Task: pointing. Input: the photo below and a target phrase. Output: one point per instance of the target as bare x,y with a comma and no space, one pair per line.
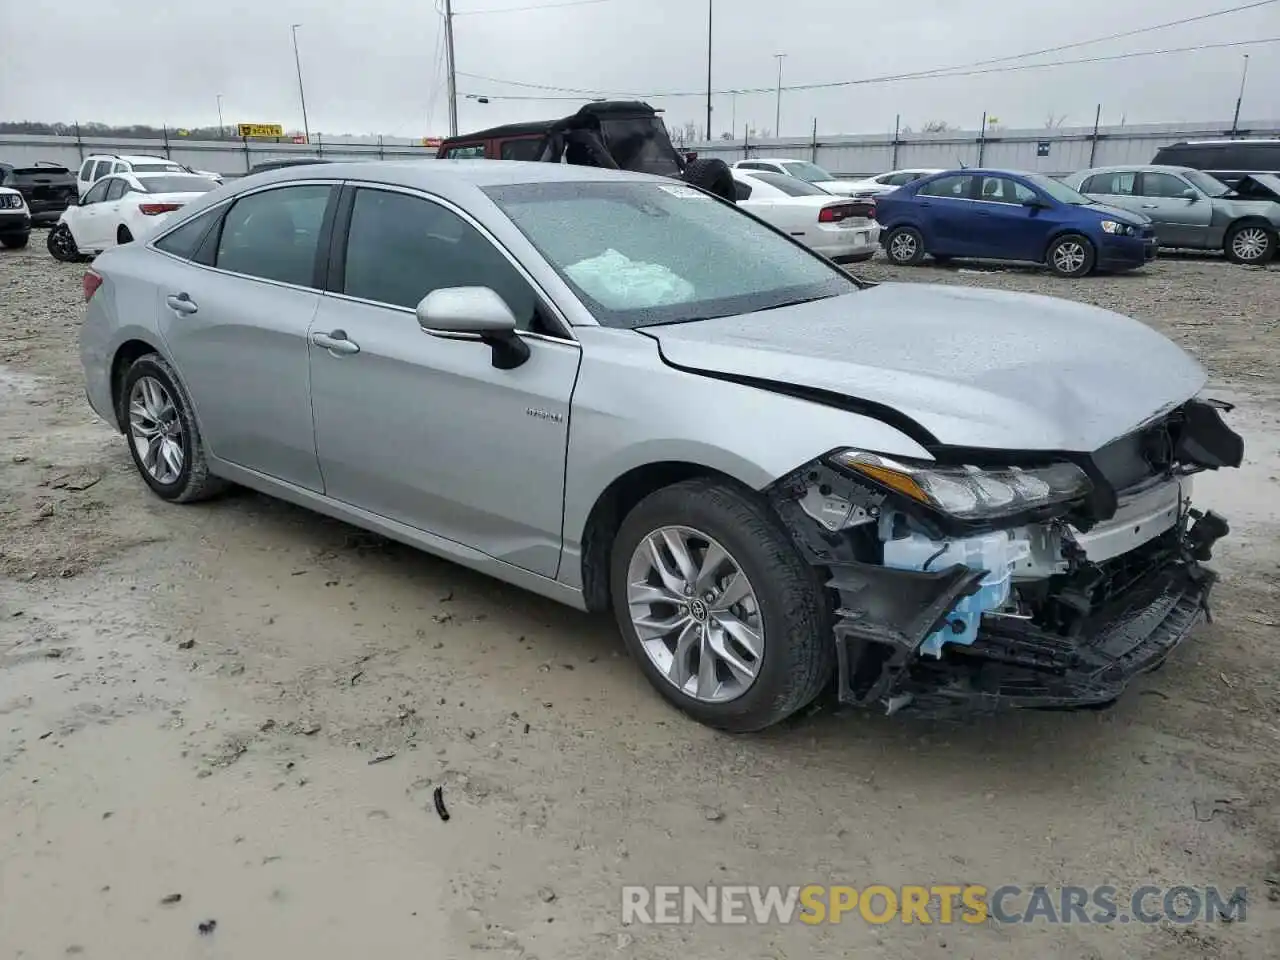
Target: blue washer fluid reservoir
997,553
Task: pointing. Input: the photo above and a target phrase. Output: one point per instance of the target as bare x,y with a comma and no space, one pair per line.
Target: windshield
639,254
807,171
177,183
1211,186
791,186
1058,190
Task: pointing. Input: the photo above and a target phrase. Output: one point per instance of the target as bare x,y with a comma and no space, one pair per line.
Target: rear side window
102,168
185,240
401,247
956,187
1112,184
275,234
464,151
526,149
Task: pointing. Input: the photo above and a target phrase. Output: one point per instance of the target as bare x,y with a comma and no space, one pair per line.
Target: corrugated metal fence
1057,151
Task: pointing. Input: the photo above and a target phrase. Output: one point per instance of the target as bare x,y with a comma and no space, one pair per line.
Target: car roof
772,160
429,173
1205,143
527,128
131,158
1138,168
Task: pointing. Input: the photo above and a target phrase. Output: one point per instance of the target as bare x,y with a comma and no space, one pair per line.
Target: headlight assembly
1119,229
971,493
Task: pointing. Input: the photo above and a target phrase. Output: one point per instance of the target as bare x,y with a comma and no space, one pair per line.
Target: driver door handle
336,342
1150,206
181,303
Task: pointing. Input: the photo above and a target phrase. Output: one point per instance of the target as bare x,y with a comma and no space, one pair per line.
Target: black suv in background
49,188
1228,160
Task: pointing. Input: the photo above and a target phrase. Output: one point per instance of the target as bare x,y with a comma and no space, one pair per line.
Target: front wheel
905,246
1250,244
714,602
1071,256
61,244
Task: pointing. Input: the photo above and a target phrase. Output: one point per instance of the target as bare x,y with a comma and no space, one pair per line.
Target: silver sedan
625,394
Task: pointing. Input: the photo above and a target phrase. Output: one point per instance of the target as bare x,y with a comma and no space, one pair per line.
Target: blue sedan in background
1006,215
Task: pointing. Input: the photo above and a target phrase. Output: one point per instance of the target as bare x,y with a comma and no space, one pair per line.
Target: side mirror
1034,203
474,313
1190,194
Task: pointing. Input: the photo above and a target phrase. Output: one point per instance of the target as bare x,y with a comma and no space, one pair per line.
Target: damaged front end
981,582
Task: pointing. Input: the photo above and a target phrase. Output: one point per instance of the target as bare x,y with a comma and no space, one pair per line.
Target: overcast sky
376,66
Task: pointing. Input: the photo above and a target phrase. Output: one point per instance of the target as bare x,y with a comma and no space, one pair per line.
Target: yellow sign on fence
248,130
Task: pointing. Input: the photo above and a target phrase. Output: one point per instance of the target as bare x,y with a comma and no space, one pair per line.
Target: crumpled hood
975,368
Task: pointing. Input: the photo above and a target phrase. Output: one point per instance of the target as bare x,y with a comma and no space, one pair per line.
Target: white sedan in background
801,170
121,208
883,183
838,228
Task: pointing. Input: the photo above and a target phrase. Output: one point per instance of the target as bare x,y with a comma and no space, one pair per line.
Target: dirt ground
250,706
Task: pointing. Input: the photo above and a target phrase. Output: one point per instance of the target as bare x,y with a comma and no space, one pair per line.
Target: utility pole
733,117
777,119
710,5
1235,121
452,68
297,61
222,130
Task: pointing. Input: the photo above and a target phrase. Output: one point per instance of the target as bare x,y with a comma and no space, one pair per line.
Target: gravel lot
251,706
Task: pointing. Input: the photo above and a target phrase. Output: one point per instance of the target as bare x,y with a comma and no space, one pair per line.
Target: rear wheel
61,244
15,241
164,439
723,615
1071,256
1250,243
904,246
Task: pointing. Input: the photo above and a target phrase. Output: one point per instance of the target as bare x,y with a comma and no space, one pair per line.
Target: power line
890,78
943,71
533,7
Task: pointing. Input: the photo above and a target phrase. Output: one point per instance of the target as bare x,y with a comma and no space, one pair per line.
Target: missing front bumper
1151,602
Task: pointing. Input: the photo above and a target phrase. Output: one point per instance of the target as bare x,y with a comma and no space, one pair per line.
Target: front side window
401,247
1005,190
101,169
470,151
645,253
1209,185
97,193
275,234
1163,185
115,188
956,187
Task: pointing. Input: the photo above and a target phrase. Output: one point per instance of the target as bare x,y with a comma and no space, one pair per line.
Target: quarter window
275,234
402,247
956,187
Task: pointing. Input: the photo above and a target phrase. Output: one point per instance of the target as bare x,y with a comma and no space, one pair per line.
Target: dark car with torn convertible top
624,394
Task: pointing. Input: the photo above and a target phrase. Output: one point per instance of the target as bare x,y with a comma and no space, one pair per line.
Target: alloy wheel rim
1250,243
62,240
904,246
696,614
156,430
1068,257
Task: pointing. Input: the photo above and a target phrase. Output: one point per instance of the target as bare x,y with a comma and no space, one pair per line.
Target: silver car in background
625,394
1191,209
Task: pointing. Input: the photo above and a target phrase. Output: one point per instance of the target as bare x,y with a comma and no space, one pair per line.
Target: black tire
860,258
941,260
908,251
123,235
799,651
194,481
1245,255
714,176
62,245
16,242
1071,255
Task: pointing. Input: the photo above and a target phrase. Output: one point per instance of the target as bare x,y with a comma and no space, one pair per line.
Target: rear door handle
336,342
1150,206
181,303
